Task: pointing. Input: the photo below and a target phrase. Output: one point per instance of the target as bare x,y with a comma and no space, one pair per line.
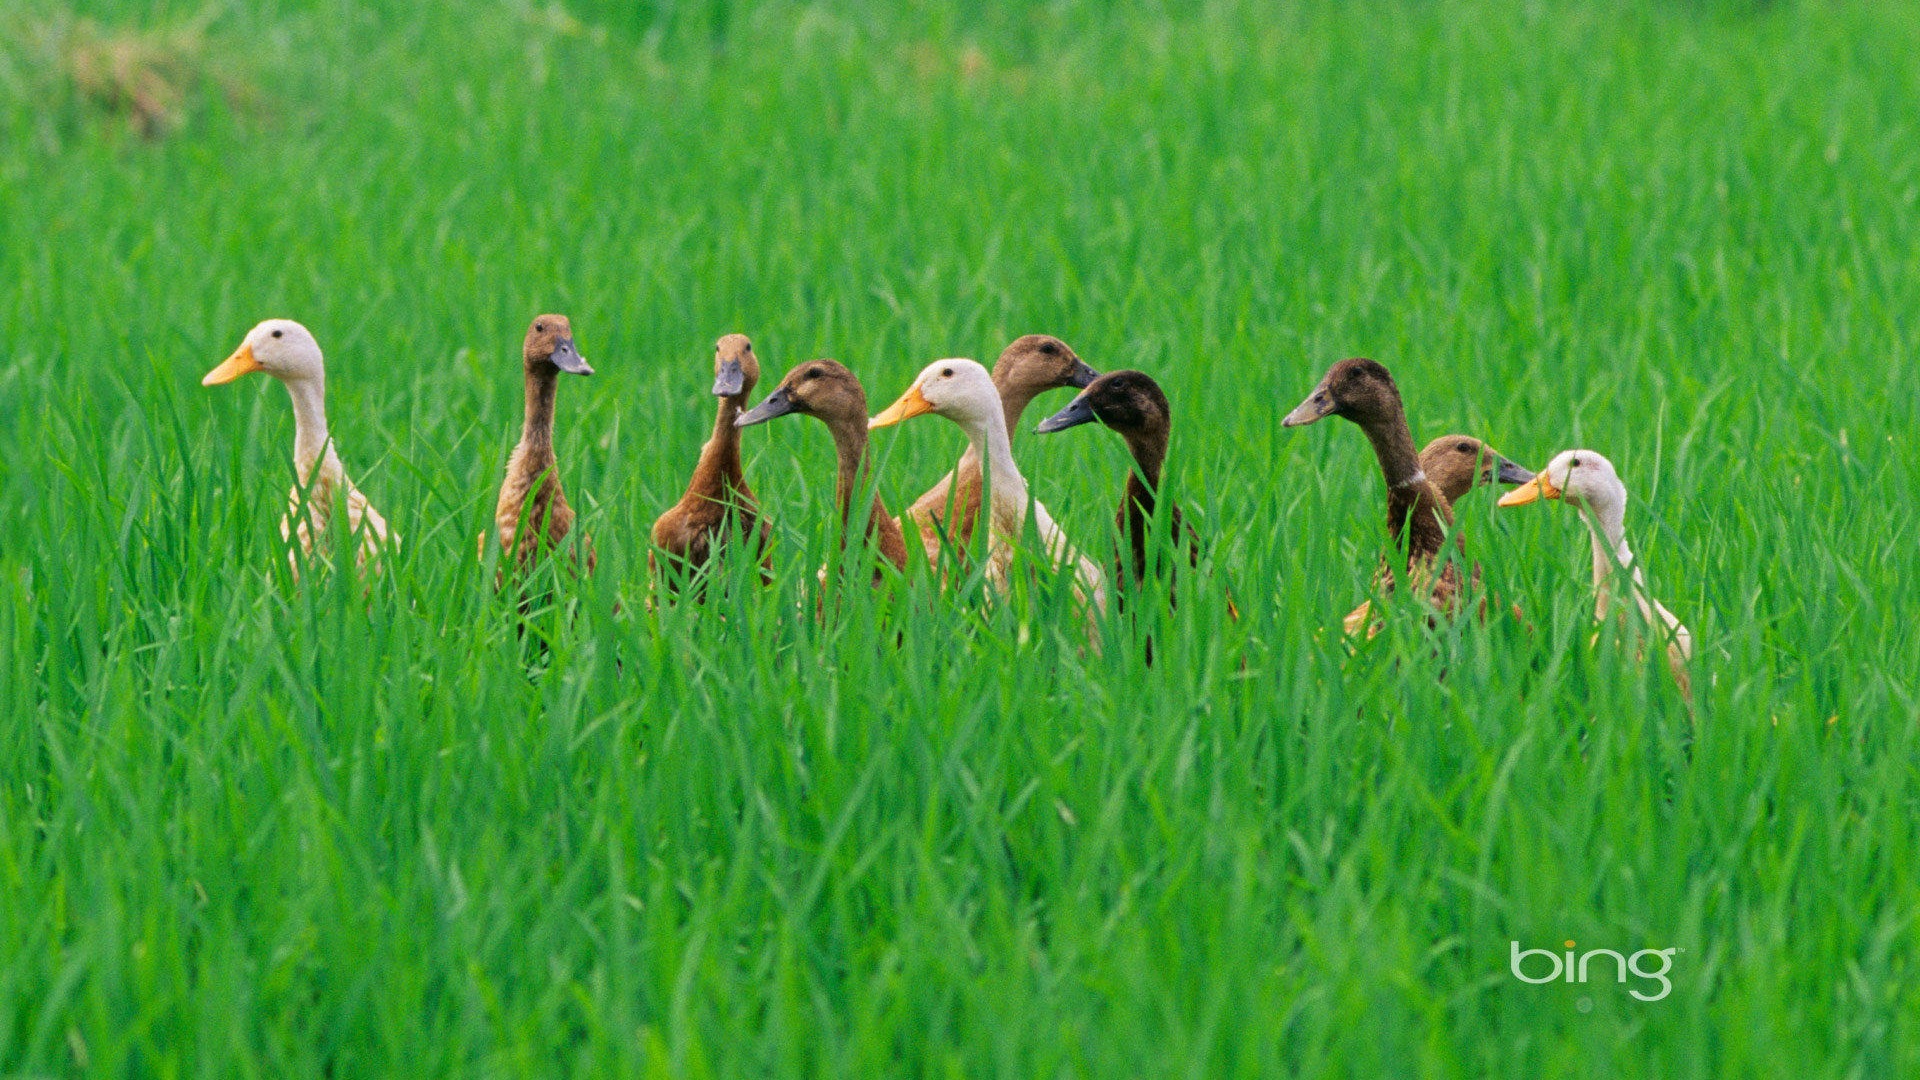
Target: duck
962,391
1363,391
1459,463
1132,404
718,504
532,512
827,390
1588,481
287,351
1027,368
1456,464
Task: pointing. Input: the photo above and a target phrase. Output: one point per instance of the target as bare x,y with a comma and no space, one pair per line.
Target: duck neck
1606,527
850,447
988,441
310,443
1416,513
720,458
1149,449
536,434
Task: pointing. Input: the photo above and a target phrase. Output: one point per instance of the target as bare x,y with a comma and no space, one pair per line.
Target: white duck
286,350
1586,480
963,392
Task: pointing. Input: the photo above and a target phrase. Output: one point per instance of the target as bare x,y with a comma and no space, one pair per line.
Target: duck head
822,388
281,348
1578,477
1458,463
1360,390
960,390
735,369
1037,363
550,344
1129,402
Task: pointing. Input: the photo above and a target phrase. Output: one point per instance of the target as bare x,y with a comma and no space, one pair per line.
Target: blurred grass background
249,829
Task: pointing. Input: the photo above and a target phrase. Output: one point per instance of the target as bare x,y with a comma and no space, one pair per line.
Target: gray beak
1081,376
776,404
1512,474
730,379
1318,406
1077,412
568,359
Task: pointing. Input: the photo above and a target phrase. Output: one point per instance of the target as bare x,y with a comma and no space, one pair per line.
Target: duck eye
1465,449
946,373
1576,463
539,328
1050,349
277,333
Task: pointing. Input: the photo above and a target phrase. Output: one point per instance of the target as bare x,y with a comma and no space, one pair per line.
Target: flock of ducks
718,517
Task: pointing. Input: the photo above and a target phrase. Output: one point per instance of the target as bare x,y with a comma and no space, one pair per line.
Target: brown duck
1418,514
532,514
1133,405
1026,369
827,390
717,501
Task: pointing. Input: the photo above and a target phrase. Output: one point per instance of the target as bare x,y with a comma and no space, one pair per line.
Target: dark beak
1077,412
568,359
1318,406
1081,376
1512,474
730,379
776,404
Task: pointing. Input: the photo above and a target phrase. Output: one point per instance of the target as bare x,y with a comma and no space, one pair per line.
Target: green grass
253,829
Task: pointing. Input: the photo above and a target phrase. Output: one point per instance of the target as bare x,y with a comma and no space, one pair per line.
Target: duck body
962,391
532,512
718,501
1589,481
1033,364
288,352
827,390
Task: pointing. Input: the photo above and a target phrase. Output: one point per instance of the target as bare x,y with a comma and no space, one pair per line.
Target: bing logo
1565,967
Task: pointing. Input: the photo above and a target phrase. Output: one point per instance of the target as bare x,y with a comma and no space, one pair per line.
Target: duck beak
1318,406
1081,376
1538,488
1509,473
776,404
730,379
240,363
1078,411
911,404
568,359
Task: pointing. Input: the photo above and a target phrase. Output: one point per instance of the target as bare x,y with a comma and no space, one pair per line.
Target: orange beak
1539,488
911,404
240,363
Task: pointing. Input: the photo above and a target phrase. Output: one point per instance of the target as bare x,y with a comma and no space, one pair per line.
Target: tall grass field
359,826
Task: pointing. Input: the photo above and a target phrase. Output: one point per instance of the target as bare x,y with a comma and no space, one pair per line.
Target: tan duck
1418,515
962,391
1584,479
1029,367
533,509
718,502
825,389
287,351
